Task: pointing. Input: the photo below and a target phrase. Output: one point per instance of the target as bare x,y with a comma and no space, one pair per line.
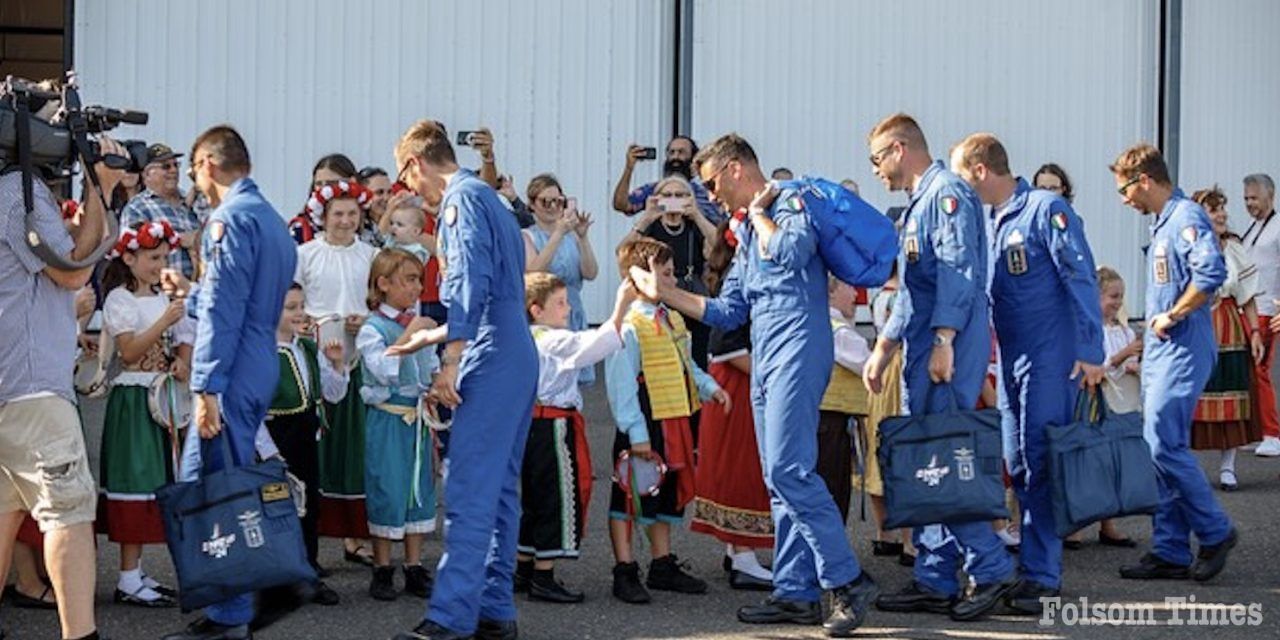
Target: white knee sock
1228,462
746,562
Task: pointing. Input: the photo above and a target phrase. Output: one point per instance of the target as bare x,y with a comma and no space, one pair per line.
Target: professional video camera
45,128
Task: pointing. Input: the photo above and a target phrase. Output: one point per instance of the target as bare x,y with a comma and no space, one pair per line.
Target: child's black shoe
666,574
626,584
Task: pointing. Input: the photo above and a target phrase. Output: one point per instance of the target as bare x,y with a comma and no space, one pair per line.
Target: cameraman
42,451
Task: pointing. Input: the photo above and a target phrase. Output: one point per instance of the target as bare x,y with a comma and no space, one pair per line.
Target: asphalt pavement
1250,580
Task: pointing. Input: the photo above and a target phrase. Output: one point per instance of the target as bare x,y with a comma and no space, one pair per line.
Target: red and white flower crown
145,235
330,192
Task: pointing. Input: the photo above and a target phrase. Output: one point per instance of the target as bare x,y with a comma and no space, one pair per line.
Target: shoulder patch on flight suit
795,203
216,230
1059,221
451,214
1189,234
949,204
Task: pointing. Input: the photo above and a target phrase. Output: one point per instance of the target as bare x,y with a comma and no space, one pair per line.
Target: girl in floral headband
152,335
333,269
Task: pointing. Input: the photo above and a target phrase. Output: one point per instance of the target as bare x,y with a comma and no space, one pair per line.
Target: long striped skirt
1224,418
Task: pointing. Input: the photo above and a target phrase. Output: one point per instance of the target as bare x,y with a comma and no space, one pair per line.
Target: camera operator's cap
160,152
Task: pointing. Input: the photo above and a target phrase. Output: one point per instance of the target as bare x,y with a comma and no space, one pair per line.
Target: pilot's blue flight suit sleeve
231,253
954,236
1073,260
470,269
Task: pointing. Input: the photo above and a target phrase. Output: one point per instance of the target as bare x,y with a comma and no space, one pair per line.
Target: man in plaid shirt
161,200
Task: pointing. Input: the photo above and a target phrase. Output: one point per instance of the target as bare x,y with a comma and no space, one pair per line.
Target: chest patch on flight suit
949,204
910,243
1160,265
451,214
1189,234
217,230
1015,253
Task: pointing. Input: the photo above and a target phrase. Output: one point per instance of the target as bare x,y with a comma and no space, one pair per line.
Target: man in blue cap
941,317
249,260
488,374
1184,269
1044,301
780,279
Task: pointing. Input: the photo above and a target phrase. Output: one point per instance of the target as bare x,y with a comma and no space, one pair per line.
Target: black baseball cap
160,152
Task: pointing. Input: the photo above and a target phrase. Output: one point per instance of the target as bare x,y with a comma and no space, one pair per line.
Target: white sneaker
1270,448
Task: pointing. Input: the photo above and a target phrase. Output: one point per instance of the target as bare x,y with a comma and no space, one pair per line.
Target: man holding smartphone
679,161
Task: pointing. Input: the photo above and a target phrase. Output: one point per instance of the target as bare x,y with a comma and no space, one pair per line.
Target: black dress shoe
906,559
626,584
775,611
746,582
325,596
546,588
1072,545
1153,567
885,548
417,581
497,630
1026,598
428,630
983,599
913,598
1108,541
1212,559
161,601
206,629
382,586
524,573
24,601
668,574
849,605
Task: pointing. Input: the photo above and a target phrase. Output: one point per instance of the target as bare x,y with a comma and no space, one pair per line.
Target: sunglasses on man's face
710,183
1123,189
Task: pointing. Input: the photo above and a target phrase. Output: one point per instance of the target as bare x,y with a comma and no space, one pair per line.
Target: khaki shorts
43,465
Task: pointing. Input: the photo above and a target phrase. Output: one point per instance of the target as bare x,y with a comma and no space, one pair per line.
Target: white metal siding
1230,97
564,84
1068,82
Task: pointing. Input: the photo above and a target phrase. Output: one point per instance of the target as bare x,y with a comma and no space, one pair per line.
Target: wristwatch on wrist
940,340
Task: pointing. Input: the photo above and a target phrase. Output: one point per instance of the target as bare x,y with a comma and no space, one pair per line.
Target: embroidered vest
666,365
291,397
414,368
845,393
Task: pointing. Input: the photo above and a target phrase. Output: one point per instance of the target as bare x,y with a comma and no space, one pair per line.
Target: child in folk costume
410,228
732,503
333,270
886,404
1225,417
654,389
152,337
844,404
556,475
296,417
400,491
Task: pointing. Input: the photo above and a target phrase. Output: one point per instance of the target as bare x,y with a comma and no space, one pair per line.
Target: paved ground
1250,578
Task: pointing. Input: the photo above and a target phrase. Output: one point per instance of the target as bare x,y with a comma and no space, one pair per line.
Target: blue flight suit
1044,297
483,289
249,260
943,265
1184,251
783,287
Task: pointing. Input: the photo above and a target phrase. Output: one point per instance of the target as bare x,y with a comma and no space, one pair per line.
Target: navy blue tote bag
233,531
1100,468
943,467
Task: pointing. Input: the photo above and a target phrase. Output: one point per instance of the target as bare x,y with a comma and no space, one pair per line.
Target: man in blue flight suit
1184,269
779,278
943,266
249,261
1044,301
488,374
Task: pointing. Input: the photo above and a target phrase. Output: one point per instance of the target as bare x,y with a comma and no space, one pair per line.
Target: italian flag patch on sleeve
795,203
950,204
1059,220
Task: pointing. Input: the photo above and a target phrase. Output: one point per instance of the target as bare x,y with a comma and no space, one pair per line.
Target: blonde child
152,335
399,490
844,404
